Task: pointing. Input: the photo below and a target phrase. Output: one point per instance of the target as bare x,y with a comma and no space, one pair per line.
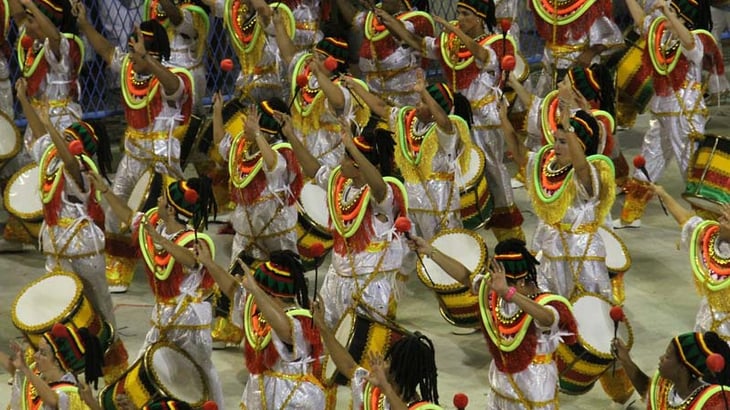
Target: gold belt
386,74
560,49
134,134
581,229
542,359
488,98
441,176
311,25
50,103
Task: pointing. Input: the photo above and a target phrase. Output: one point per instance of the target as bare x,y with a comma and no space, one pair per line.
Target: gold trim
148,364
18,143
589,348
481,265
624,249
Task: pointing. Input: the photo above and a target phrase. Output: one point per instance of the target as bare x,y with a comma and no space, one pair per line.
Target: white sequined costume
68,394
186,50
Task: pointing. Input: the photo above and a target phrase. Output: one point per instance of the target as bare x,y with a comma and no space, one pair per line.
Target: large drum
580,365
475,200
22,198
142,198
634,86
9,139
707,183
618,261
56,298
312,224
361,336
234,117
164,370
457,304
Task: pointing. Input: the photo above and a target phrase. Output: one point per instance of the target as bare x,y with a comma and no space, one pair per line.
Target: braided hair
514,245
293,264
159,43
412,365
383,145
104,156
93,358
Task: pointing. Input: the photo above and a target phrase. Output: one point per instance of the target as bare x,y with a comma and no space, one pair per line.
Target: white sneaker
515,183
10,247
118,289
619,224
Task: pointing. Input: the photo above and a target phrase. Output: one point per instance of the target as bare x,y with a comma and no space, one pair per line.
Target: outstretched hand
378,375
498,278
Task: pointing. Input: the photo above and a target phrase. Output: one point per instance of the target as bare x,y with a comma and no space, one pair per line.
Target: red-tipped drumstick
640,164
617,315
461,400
716,364
507,64
403,225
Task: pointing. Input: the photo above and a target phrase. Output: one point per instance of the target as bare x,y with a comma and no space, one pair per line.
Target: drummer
522,373
708,243
363,206
51,381
266,180
684,379
474,74
677,45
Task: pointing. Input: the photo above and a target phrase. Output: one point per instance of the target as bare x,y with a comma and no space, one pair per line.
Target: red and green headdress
192,198
76,350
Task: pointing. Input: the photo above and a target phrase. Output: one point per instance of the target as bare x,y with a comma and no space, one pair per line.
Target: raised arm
226,283
118,206
498,283
181,254
332,91
676,26
34,122
453,267
377,106
636,11
379,377
378,187
518,149
46,393
479,52
680,213
397,28
70,163
307,161
252,129
440,116
275,315
264,12
49,30
285,43
522,93
170,82
348,10
339,354
101,45
638,378
219,129
172,11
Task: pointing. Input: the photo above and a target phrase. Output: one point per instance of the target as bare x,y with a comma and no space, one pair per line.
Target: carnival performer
157,107
364,202
684,379
71,236
577,33
708,243
470,65
571,189
523,325
187,25
166,235
388,67
432,145
51,381
282,347
318,94
266,181
405,376
677,43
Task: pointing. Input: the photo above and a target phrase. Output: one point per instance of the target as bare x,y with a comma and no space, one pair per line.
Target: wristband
510,294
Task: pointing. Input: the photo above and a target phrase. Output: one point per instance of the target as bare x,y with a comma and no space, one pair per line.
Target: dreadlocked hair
104,156
93,358
717,345
66,22
514,245
291,262
491,18
608,92
413,364
383,153
206,204
462,108
160,43
277,104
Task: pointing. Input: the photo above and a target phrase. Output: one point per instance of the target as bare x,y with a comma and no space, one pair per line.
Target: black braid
382,140
160,43
291,262
104,156
462,108
515,245
717,345
206,204
93,358
413,364
607,93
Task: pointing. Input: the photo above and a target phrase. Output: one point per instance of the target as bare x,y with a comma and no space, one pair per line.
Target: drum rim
452,322
481,266
330,378
18,139
480,174
62,317
624,249
590,348
324,230
31,217
151,173
698,195
148,362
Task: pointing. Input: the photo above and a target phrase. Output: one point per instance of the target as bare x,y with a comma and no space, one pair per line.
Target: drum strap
443,215
260,234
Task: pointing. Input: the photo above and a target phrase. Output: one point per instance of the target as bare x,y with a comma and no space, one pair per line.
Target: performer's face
562,155
669,364
468,21
44,357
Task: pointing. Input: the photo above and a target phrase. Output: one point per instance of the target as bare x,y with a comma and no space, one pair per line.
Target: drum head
595,327
465,246
313,203
139,194
176,374
521,68
9,137
343,334
46,301
23,194
469,178
698,201
617,256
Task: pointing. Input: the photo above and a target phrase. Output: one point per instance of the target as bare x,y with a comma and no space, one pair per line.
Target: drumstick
403,224
617,315
317,250
640,164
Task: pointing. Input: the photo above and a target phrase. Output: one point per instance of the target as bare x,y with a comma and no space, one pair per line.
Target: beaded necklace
552,179
685,403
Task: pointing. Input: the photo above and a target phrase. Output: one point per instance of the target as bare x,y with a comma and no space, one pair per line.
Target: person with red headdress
282,347
364,202
166,236
51,381
71,235
467,52
388,67
266,181
157,103
523,325
692,373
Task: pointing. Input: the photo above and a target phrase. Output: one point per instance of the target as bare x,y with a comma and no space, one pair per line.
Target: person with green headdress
432,141
166,236
266,181
692,374
51,381
571,188
282,347
679,48
523,325
71,235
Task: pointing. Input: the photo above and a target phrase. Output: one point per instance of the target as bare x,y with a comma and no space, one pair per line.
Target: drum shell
310,232
476,203
634,88
707,183
141,384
